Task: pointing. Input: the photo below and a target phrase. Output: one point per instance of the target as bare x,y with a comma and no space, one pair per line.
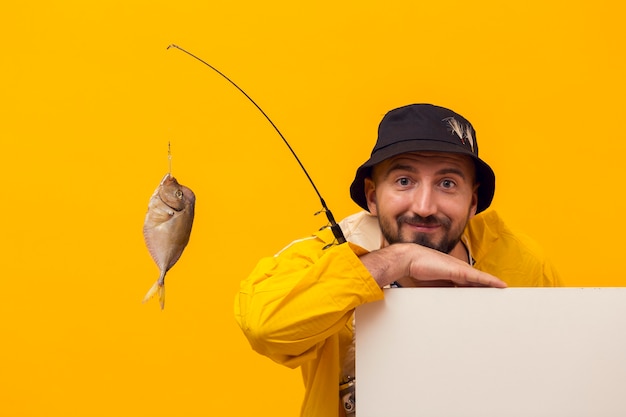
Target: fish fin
152,291
162,296
159,289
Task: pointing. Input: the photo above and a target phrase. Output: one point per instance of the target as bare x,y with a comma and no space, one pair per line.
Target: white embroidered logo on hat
463,131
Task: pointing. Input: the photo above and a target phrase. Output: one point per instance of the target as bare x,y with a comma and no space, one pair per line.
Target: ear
474,204
370,196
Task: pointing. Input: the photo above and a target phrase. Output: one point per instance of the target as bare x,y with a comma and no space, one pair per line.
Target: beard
449,240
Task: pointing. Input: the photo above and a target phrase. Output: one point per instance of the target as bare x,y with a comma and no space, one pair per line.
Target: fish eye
178,194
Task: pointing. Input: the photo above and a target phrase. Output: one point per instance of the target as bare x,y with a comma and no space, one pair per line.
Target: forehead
432,160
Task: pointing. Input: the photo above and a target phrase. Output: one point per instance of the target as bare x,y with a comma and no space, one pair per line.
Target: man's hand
413,265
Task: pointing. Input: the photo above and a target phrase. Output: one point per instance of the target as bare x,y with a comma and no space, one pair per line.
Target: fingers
483,279
435,284
464,278
464,275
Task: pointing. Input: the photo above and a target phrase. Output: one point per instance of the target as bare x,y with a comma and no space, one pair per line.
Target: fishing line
169,156
339,237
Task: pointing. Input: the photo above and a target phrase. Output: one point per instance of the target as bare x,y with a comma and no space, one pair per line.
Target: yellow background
91,97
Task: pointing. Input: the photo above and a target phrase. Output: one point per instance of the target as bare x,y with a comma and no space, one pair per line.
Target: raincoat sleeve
292,302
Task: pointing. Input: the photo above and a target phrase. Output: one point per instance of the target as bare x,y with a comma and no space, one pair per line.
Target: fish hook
335,228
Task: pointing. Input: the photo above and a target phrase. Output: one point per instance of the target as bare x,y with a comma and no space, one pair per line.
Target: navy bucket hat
425,127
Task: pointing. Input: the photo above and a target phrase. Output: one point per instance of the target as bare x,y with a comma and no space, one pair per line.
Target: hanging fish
167,228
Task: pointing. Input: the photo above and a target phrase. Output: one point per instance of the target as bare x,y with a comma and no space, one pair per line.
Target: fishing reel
334,227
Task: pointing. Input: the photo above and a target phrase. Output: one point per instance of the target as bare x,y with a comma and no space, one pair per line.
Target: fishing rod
334,227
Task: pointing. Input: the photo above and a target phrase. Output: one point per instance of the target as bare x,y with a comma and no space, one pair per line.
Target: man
422,188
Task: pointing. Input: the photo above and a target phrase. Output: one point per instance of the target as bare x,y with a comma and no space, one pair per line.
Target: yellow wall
90,97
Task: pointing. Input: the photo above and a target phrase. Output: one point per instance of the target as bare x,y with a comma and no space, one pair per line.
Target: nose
424,203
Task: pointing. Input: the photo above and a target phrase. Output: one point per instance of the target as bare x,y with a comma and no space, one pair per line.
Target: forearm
294,301
387,265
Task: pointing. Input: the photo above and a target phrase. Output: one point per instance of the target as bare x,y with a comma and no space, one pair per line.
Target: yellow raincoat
296,307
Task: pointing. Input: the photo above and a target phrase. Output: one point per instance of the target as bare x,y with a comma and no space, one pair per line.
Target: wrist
387,265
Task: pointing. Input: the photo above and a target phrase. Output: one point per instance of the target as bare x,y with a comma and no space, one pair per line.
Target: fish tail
157,288
162,296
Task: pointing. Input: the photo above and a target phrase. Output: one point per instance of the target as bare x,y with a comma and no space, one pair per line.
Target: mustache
426,221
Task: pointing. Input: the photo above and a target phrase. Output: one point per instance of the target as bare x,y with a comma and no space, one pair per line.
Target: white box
461,352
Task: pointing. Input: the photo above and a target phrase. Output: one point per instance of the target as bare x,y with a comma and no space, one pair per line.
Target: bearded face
423,198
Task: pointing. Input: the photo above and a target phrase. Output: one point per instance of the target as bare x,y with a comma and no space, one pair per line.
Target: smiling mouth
423,227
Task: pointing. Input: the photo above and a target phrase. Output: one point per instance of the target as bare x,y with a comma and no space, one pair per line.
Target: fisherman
424,191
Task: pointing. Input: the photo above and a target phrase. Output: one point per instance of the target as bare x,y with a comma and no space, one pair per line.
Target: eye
178,194
448,184
403,182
